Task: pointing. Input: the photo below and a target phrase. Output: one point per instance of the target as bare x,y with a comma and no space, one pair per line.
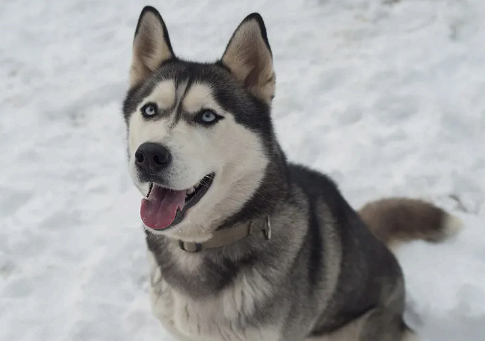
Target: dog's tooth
150,188
191,190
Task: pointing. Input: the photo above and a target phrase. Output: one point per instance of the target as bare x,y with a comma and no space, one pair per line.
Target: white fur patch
200,96
212,319
163,94
452,226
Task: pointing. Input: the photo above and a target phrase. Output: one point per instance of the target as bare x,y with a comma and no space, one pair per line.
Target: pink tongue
159,210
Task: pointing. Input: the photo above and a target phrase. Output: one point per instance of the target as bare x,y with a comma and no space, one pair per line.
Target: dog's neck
227,237
205,273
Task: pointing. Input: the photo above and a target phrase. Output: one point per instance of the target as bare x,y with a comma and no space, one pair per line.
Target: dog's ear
151,46
248,57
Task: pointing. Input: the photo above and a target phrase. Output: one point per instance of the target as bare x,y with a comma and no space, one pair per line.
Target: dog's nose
152,157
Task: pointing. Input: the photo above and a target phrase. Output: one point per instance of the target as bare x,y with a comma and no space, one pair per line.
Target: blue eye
149,110
208,117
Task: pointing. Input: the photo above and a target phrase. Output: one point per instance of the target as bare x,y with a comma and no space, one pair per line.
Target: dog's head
198,133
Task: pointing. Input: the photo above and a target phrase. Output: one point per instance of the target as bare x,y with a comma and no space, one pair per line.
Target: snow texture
388,97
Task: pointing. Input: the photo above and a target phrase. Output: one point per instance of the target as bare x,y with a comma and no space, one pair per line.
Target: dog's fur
323,275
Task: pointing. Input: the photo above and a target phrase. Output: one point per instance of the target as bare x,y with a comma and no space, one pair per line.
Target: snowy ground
386,96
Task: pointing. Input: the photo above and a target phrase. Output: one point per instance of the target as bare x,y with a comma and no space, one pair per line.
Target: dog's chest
225,317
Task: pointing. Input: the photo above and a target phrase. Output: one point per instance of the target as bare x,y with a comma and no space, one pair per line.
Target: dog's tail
398,220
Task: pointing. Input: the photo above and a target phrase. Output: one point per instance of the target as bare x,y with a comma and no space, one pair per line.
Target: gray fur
322,276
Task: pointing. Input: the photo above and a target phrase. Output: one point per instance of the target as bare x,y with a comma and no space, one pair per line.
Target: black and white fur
323,275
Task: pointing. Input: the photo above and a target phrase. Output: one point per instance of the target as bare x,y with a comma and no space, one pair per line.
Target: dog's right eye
149,110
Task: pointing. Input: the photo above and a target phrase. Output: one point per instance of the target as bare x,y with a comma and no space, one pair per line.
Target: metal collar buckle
194,247
266,229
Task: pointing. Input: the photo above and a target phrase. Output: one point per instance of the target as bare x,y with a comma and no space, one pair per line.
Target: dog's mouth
164,207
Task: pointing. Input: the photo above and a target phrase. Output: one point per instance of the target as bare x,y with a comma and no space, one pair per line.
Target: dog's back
363,272
369,278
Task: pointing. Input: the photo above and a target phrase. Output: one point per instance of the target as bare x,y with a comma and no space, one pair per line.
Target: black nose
152,157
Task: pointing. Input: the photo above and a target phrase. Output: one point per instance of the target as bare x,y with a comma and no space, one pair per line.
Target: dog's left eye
207,117
149,110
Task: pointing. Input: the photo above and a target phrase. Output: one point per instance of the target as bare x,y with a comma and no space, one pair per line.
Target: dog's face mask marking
195,143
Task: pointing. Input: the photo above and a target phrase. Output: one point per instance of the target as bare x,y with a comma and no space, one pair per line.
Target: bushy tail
398,220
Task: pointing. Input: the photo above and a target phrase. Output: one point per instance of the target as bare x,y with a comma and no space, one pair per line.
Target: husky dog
244,245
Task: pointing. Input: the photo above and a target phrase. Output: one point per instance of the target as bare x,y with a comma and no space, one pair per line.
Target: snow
385,96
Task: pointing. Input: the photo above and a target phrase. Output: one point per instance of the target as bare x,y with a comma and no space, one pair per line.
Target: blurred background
387,97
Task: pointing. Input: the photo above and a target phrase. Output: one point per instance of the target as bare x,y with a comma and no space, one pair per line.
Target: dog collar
227,237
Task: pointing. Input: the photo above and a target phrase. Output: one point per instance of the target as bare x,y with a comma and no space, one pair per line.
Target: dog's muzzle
151,159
